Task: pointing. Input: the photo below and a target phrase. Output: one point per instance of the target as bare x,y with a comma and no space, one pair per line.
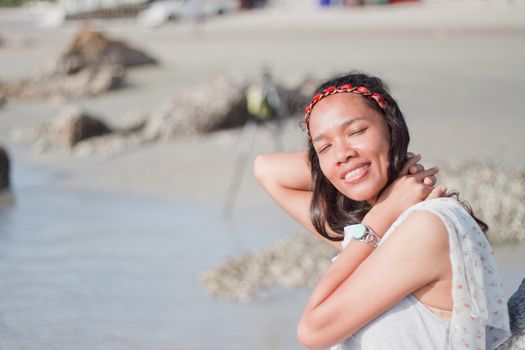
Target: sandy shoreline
456,69
466,67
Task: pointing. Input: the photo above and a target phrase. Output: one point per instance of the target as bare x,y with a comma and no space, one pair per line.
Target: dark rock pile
67,130
90,49
215,104
218,103
91,65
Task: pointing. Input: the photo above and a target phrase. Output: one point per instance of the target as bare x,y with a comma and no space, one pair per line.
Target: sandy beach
456,67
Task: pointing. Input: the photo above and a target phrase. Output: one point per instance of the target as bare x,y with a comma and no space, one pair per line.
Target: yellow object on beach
256,102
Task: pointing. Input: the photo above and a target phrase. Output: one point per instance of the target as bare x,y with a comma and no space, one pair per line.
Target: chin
360,196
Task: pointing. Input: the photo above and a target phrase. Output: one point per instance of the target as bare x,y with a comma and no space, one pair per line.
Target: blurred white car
161,11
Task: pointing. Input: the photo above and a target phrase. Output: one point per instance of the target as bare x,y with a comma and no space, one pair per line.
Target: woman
415,270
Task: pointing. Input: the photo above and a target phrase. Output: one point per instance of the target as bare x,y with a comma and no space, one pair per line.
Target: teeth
355,172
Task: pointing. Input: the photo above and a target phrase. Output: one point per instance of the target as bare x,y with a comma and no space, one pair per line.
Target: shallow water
90,270
107,271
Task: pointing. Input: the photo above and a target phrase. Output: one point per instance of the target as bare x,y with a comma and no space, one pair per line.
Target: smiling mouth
356,173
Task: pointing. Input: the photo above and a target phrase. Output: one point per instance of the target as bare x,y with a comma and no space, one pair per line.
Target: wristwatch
363,233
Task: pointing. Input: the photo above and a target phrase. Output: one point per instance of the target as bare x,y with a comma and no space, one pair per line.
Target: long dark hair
329,207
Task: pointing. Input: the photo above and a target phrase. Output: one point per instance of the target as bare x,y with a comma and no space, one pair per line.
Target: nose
344,152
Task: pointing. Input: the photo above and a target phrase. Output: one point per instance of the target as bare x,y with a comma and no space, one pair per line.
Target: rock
88,82
73,126
215,104
4,169
91,81
91,65
106,78
90,48
516,305
84,127
65,131
83,134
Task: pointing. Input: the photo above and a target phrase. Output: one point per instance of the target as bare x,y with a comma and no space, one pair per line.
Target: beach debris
516,305
91,65
4,169
295,261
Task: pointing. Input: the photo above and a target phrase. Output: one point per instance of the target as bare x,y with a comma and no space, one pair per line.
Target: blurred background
129,216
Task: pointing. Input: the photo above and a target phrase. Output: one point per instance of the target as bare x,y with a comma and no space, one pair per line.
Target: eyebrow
342,126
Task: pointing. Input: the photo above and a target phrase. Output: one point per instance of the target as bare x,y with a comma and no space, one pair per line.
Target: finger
414,169
410,155
430,180
410,162
437,192
429,172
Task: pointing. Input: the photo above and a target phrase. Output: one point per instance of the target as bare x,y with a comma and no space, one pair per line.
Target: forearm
379,219
290,170
345,264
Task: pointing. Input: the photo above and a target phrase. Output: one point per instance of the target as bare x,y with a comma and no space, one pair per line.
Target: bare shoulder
423,232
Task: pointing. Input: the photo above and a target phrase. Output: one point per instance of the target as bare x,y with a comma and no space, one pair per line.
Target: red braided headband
335,90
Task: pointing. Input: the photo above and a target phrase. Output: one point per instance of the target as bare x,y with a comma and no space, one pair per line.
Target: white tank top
407,325
479,316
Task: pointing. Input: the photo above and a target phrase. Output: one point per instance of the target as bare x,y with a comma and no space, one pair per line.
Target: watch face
357,231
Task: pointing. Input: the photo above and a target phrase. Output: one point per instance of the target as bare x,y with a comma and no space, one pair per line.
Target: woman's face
352,143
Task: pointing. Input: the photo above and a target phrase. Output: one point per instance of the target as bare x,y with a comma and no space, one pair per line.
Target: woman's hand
437,191
414,184
416,168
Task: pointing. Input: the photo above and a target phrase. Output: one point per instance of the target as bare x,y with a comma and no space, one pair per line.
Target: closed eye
324,148
357,132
